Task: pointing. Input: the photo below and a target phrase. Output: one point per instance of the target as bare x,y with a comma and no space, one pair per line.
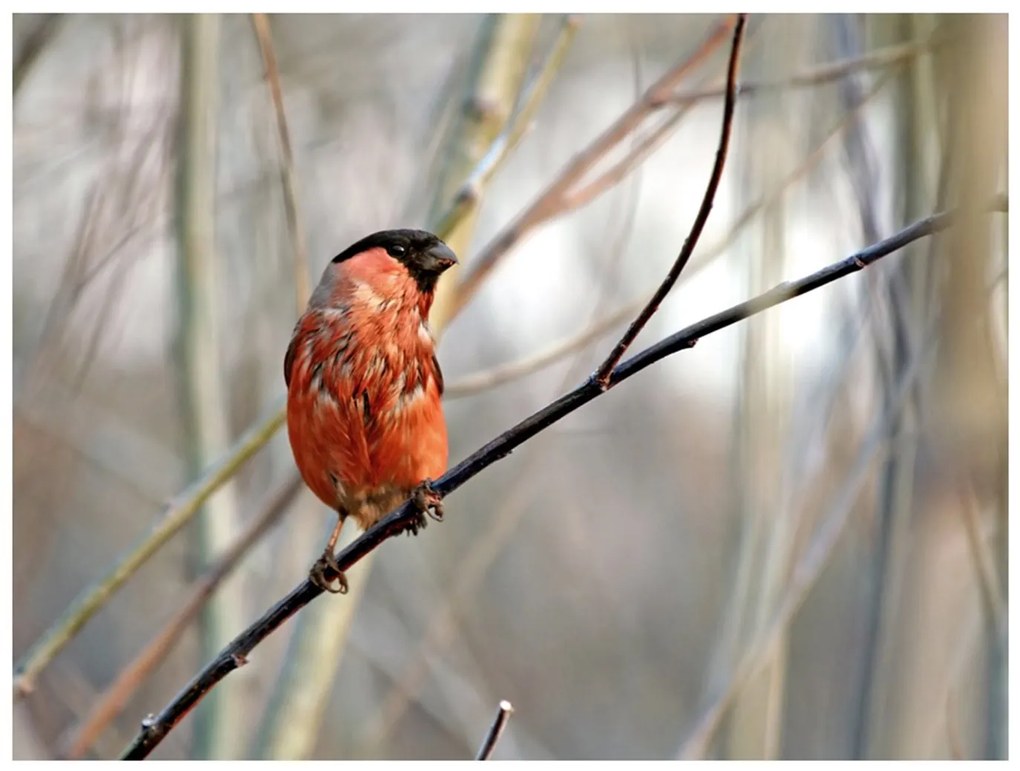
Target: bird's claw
317,575
427,502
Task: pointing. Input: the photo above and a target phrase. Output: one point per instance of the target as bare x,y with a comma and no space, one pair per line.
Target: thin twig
287,175
505,373
495,730
179,511
156,727
552,201
989,581
110,703
605,370
825,73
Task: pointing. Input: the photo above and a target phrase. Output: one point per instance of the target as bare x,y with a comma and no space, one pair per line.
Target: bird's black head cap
423,254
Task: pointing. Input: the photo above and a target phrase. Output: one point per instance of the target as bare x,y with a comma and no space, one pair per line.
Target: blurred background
788,542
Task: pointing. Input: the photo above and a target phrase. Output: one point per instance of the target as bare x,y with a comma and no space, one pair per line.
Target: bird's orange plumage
364,414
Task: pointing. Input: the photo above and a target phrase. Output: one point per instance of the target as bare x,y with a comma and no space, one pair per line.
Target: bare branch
984,561
110,703
287,175
156,727
604,371
495,730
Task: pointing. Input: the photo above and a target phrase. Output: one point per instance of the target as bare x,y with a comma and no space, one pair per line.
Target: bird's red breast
364,414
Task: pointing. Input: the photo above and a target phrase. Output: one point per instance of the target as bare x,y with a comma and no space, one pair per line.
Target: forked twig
156,727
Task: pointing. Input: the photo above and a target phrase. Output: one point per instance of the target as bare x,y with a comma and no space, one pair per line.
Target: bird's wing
288,360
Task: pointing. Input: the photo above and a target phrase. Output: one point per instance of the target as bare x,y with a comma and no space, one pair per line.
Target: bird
364,411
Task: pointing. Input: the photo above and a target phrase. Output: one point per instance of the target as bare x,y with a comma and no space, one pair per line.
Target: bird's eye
397,250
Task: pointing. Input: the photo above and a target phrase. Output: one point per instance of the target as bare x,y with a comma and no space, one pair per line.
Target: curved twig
604,371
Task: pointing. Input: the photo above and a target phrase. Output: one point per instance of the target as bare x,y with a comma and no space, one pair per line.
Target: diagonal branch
287,175
178,512
470,191
156,727
604,371
110,702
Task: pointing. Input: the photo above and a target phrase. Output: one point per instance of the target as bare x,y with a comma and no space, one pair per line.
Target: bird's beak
439,258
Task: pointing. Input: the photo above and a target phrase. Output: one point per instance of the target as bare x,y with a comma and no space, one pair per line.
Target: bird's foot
426,501
317,575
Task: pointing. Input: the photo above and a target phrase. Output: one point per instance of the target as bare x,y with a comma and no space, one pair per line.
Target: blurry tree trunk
200,371
753,729
969,387
498,69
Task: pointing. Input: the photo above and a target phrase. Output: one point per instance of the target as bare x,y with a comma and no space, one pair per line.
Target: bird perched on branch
363,384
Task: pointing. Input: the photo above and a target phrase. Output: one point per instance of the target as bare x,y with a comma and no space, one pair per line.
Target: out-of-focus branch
156,727
499,64
110,703
505,373
554,199
825,73
287,176
805,574
28,52
178,512
495,730
201,387
469,194
989,580
604,371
